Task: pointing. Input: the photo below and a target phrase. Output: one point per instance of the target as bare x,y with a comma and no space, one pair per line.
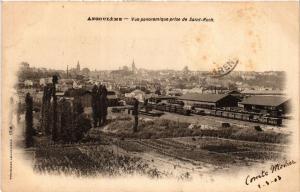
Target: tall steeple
78,66
132,65
133,68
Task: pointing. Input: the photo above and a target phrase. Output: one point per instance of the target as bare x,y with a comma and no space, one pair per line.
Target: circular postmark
225,69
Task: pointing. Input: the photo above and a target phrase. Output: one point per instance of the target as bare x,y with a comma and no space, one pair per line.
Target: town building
209,100
28,83
85,96
65,84
138,94
262,92
273,105
112,98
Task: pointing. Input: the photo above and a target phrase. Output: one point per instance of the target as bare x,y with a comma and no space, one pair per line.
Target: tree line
61,120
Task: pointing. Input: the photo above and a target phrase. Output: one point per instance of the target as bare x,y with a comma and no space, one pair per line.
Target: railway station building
209,100
274,105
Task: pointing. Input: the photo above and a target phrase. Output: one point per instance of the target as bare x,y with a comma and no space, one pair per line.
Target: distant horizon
129,66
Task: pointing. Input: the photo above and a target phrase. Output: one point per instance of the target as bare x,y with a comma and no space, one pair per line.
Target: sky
263,36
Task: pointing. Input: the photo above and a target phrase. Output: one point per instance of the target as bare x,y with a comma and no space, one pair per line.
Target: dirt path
164,162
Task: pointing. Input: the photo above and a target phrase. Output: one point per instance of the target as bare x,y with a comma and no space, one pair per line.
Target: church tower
78,67
133,68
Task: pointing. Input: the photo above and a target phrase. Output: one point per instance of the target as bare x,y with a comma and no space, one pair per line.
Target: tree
103,105
29,121
66,120
85,71
157,91
82,123
135,114
78,106
203,82
186,70
180,86
94,105
232,86
54,125
125,68
193,78
45,120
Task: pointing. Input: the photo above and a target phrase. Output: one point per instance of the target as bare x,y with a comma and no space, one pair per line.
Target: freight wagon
246,116
172,108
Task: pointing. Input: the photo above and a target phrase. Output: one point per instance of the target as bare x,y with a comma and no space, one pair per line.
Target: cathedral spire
133,68
78,66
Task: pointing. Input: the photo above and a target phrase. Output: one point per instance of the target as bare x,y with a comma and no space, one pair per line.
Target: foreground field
161,148
91,160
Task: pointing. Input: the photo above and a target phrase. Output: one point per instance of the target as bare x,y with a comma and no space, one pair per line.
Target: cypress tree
54,125
45,120
95,105
29,121
78,113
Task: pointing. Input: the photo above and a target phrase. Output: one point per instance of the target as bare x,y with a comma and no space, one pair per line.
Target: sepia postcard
150,96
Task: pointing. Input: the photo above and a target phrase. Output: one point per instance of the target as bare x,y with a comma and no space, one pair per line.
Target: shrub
257,128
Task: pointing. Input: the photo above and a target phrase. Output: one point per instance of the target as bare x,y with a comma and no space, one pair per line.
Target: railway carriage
231,115
239,116
225,114
274,121
246,117
219,113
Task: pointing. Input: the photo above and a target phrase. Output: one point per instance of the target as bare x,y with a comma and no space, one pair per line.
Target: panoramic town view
156,123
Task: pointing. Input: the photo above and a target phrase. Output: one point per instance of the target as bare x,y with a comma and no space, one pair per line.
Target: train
174,106
246,116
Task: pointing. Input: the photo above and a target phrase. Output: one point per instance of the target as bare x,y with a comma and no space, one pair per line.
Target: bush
225,125
257,128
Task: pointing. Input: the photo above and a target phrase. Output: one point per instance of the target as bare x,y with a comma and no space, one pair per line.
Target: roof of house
76,92
233,92
162,97
60,94
264,100
137,91
165,97
263,92
111,93
112,97
67,81
203,97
